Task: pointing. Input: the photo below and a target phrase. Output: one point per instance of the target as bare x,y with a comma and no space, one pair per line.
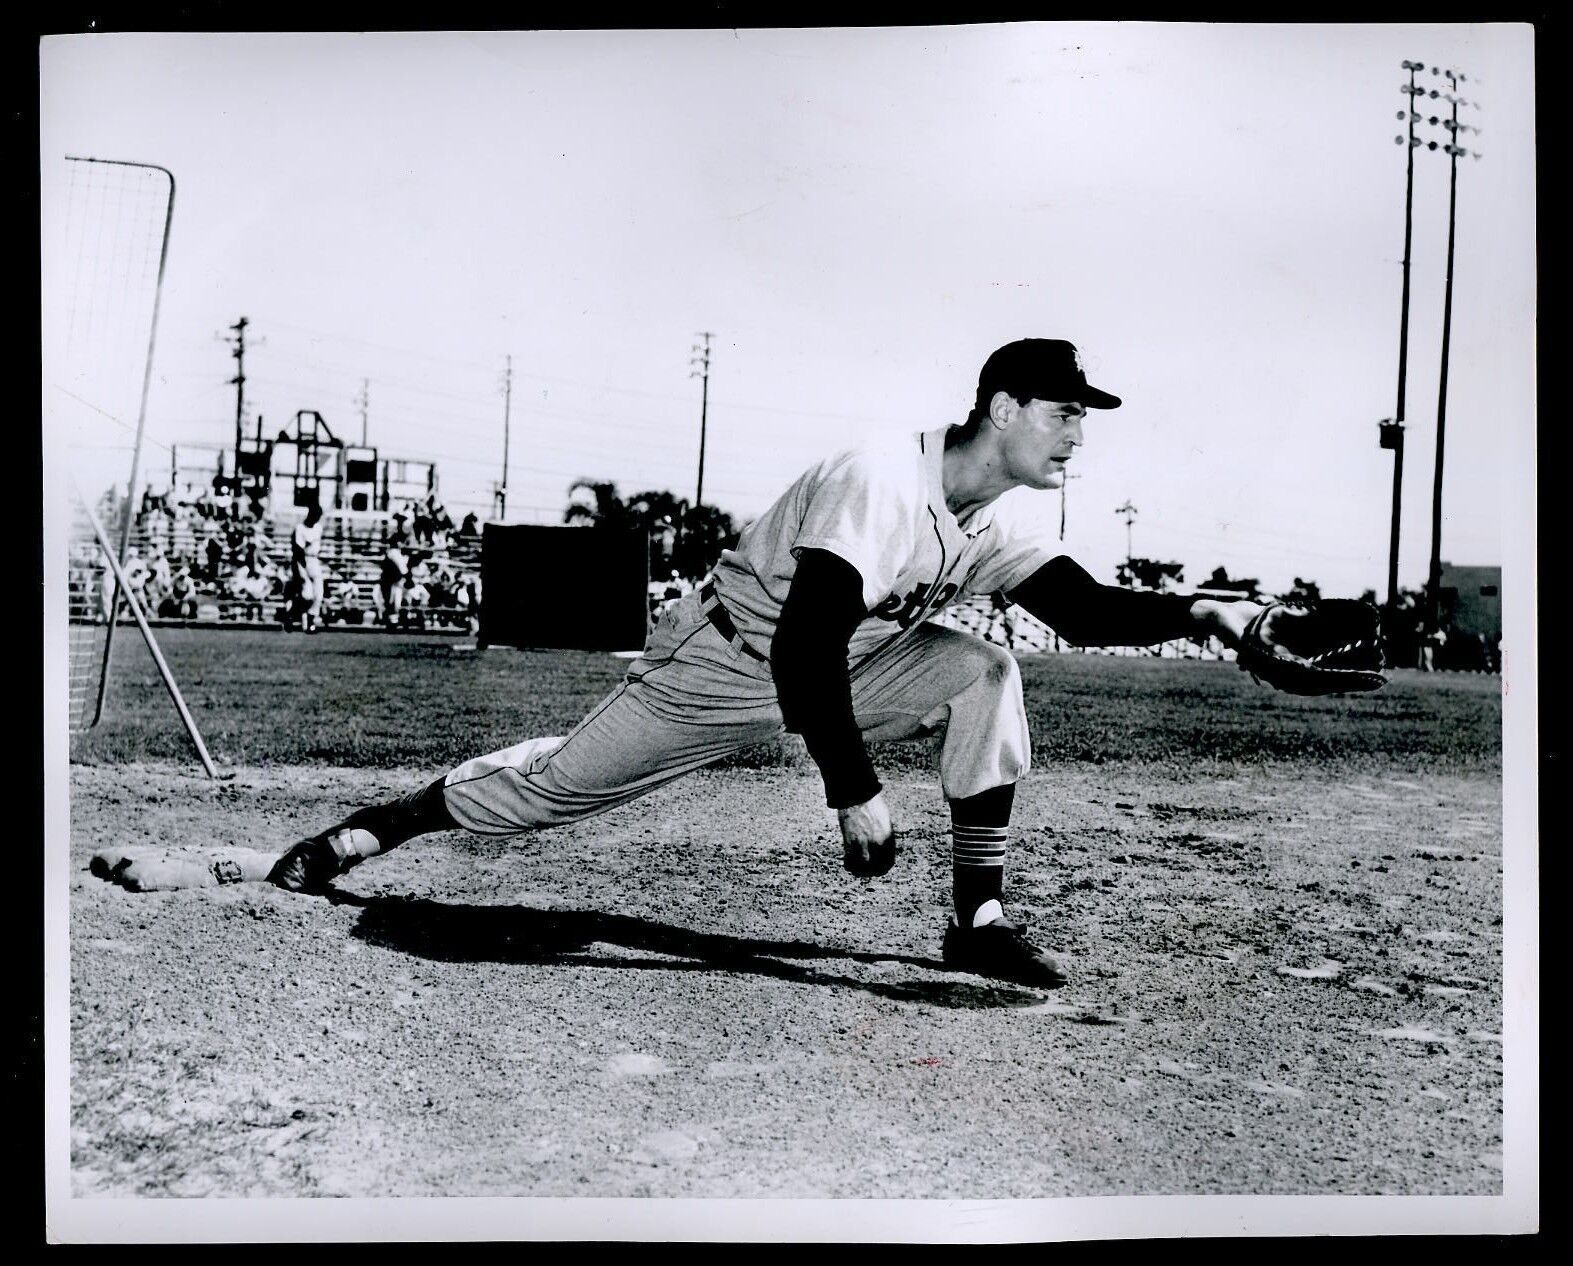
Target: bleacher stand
409,569
1022,632
214,559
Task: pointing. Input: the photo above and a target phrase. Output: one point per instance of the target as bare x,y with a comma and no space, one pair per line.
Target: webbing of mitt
1333,646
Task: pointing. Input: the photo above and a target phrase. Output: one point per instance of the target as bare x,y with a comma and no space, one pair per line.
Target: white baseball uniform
695,695
306,565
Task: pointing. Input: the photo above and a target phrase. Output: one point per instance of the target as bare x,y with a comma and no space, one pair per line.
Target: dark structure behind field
564,587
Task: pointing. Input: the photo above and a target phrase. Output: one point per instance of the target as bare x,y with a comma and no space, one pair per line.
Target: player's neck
973,475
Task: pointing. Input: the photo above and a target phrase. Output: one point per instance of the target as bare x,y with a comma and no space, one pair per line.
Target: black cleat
313,864
1002,951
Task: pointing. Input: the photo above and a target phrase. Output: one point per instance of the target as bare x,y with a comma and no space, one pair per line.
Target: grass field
1282,918
411,702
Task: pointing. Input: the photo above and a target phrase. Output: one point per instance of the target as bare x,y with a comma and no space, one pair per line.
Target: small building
1470,601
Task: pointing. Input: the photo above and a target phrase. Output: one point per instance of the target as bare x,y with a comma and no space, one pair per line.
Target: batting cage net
89,591
107,235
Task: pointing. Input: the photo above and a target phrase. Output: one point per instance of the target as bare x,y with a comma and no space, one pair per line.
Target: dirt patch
1283,981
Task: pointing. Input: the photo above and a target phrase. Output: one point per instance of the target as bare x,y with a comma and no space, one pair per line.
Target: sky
1213,213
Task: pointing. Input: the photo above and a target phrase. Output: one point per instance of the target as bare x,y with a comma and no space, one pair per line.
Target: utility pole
1068,478
700,368
1392,429
507,412
239,383
1129,511
364,401
1454,152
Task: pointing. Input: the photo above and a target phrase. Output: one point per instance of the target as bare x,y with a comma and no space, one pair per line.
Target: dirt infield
1286,973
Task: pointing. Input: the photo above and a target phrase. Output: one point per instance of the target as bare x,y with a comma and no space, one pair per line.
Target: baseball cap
1040,369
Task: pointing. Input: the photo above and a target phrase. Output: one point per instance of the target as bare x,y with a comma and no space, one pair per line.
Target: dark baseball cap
1040,369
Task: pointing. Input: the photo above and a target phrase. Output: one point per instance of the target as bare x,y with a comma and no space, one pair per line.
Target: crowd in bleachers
212,557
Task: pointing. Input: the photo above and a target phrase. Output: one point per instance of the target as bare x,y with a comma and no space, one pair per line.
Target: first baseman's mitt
1321,648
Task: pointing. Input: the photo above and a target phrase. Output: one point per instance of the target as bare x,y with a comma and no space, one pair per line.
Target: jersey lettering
905,611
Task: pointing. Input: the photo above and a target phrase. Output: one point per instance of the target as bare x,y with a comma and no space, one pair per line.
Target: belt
722,622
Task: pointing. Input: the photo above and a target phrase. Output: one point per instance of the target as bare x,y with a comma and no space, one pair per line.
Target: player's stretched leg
690,699
968,692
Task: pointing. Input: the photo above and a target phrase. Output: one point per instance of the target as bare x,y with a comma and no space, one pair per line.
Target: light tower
1449,145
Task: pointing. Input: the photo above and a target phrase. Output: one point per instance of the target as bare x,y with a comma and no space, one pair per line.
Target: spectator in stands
420,570
249,588
212,550
235,535
442,585
423,522
153,518
442,528
257,544
470,591
390,583
342,602
136,573
471,525
417,598
180,603
441,522
158,577
417,589
207,504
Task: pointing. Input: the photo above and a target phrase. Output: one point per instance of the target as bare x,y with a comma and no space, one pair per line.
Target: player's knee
997,668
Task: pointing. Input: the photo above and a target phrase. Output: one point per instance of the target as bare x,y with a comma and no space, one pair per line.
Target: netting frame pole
136,451
147,636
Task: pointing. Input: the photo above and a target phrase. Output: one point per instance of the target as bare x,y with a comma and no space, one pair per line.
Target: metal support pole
147,636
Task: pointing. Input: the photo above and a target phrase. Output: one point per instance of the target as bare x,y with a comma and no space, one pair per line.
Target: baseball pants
307,578
693,697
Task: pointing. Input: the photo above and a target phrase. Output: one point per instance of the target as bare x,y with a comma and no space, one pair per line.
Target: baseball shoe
313,864
1001,950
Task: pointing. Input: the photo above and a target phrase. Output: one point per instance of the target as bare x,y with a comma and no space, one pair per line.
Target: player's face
1042,437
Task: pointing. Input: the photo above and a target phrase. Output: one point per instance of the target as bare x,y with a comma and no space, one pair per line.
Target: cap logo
1076,356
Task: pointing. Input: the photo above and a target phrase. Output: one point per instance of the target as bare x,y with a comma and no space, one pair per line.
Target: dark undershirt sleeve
1066,598
808,657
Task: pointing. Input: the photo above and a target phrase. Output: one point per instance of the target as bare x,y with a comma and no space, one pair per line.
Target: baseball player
818,623
391,579
305,546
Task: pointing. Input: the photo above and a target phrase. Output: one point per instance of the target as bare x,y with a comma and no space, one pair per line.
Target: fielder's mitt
1322,648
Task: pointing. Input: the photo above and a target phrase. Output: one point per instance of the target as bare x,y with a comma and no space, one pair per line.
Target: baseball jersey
306,542
882,509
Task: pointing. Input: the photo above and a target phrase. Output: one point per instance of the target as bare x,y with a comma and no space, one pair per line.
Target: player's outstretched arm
1064,596
808,658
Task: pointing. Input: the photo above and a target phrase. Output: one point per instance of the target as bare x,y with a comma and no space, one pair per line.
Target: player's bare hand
1226,621
867,838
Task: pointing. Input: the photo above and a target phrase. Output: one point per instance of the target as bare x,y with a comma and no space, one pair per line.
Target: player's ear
1002,410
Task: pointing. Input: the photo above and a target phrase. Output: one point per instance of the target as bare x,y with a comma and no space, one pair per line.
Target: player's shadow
519,934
